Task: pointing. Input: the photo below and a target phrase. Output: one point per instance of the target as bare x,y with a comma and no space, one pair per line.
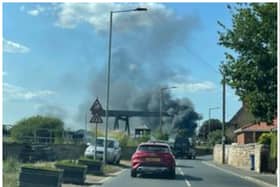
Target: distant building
251,132
142,131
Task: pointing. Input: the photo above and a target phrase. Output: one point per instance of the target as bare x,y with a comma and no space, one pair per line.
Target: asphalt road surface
189,173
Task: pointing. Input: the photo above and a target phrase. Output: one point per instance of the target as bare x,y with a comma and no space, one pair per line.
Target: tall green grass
11,168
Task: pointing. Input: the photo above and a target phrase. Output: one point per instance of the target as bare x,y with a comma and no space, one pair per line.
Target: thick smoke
181,111
143,49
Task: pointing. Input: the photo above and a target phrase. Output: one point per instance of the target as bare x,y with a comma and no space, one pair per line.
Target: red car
151,158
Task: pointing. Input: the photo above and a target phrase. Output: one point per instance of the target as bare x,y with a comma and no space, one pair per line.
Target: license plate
152,159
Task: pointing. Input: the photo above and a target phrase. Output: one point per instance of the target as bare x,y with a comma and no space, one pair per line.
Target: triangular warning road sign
96,108
96,119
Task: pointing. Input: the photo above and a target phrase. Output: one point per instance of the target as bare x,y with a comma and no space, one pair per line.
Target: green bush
273,146
265,138
90,160
70,163
215,137
122,137
38,126
132,142
11,165
126,141
11,168
142,139
161,136
100,133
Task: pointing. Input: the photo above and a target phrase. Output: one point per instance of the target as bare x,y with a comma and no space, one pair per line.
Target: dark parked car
151,158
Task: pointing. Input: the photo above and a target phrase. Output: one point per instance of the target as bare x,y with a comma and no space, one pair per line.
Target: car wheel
133,173
118,161
172,174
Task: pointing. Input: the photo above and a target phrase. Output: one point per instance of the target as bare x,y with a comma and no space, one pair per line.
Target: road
189,173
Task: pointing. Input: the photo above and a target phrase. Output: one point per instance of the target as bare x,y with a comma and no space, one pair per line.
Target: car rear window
154,148
100,143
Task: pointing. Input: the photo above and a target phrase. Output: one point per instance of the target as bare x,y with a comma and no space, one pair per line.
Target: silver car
113,150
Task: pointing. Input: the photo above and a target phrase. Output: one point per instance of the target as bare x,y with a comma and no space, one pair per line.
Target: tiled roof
242,117
258,127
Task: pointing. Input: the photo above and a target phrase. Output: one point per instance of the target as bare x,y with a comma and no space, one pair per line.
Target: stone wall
68,151
239,155
62,151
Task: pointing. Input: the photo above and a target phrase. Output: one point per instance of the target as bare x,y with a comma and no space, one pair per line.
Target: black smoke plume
143,61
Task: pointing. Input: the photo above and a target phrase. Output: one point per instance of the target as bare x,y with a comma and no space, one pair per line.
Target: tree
161,135
251,69
37,126
204,130
215,137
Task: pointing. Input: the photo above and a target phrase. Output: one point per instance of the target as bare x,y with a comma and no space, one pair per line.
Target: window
154,148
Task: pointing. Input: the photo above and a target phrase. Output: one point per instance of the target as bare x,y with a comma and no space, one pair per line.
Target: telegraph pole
224,117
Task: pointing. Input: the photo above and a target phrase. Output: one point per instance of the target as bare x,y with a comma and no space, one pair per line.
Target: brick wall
239,155
241,138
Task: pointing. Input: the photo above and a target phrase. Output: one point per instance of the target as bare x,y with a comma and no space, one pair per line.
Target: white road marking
186,180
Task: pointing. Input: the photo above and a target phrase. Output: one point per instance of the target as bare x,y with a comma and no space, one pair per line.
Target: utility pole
209,121
160,111
109,76
224,117
86,121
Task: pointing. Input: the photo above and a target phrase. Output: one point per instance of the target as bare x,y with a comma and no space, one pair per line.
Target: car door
117,149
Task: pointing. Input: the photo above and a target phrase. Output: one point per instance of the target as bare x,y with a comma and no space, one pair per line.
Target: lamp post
108,75
160,105
209,123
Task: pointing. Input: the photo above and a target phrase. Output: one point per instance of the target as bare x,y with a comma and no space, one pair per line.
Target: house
252,131
241,118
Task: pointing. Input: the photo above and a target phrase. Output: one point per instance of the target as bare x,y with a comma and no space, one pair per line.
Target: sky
55,57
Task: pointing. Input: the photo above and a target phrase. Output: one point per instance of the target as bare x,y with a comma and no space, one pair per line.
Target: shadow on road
188,177
92,183
183,166
124,165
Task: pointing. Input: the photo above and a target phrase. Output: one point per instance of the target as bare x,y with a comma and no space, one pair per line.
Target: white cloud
22,8
33,12
13,47
36,11
15,92
195,87
97,15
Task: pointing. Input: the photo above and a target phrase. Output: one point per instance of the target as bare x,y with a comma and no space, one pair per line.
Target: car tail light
137,158
168,158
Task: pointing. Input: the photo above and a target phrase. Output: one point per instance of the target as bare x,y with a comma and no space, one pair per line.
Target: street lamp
108,75
160,105
210,109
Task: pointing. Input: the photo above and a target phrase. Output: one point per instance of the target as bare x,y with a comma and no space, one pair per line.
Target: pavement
93,180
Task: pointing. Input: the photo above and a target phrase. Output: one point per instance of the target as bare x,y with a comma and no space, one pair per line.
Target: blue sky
55,55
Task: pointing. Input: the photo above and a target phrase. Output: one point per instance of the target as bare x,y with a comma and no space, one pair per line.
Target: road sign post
96,110
95,141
